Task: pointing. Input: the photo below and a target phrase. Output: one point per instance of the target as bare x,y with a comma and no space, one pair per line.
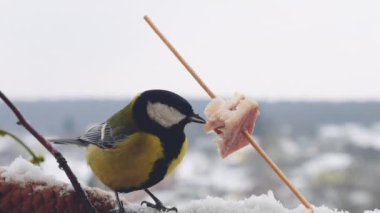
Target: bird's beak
196,119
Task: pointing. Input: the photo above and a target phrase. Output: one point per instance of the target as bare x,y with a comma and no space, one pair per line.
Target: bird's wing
102,135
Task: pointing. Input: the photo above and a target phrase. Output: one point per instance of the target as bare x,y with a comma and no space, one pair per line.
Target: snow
265,203
327,162
358,135
361,197
77,165
22,171
253,204
196,168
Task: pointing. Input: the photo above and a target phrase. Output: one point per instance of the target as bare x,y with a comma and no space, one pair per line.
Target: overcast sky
314,50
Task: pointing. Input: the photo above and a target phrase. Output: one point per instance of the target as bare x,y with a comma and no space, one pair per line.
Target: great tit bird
139,145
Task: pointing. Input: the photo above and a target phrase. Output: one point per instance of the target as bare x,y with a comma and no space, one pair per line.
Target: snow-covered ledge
24,186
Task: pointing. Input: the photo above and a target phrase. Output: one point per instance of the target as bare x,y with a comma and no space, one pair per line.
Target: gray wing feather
69,141
100,135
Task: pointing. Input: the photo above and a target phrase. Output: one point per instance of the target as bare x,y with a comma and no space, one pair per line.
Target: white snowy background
22,171
243,180
270,50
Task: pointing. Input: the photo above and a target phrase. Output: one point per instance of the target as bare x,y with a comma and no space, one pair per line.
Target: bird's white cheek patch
164,115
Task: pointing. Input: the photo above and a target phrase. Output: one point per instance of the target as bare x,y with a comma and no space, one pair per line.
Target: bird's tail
77,142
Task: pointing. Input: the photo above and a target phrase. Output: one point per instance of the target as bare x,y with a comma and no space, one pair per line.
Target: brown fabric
38,197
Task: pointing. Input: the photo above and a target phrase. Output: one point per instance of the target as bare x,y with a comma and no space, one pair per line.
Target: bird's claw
159,207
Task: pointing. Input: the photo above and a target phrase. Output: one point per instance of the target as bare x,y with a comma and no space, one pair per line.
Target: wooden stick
278,171
255,145
180,58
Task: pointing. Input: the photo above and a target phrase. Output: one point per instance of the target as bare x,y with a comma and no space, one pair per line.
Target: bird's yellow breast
131,162
128,164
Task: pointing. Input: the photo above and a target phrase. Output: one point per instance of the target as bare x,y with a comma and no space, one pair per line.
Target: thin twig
35,159
62,163
262,153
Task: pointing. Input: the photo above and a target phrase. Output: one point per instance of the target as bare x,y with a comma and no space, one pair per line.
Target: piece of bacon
229,119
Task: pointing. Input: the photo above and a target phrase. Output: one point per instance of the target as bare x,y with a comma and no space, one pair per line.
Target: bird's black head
157,111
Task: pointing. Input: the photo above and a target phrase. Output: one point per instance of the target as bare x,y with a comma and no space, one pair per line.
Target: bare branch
62,163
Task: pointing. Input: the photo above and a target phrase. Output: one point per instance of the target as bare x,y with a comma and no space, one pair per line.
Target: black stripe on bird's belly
172,145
